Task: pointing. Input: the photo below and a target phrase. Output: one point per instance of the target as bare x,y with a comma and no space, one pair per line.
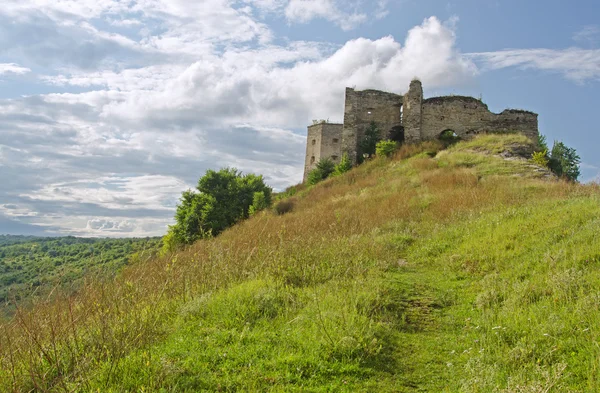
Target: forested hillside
34,265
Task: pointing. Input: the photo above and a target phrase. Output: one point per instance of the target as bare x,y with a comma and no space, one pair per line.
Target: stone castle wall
467,116
324,141
411,119
363,107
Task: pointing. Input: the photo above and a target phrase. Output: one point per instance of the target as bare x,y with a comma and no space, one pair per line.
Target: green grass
494,143
403,275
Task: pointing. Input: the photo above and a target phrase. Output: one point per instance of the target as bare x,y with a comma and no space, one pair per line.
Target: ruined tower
324,140
412,113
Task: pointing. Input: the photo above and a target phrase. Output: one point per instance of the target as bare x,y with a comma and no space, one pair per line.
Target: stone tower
324,140
412,112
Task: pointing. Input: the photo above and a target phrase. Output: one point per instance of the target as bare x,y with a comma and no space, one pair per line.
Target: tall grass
367,269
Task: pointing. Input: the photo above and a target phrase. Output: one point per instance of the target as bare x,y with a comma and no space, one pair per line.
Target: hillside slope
465,270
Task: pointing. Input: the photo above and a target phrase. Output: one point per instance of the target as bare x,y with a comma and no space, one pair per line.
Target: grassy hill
464,270
33,266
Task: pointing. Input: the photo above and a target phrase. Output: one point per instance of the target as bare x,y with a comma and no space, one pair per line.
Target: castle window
312,160
335,140
314,141
369,112
334,158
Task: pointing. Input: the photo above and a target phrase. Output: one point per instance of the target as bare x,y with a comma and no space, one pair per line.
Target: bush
540,158
325,167
386,148
284,206
564,161
449,137
223,198
259,203
542,146
344,166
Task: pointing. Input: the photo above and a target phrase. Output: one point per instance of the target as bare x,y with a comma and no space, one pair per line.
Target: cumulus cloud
575,64
12,68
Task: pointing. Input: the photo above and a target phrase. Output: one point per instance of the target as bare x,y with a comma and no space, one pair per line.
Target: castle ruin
409,119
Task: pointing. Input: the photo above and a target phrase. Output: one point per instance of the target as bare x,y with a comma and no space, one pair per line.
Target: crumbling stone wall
363,107
467,116
324,140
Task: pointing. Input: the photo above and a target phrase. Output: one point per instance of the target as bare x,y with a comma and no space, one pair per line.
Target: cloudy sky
109,109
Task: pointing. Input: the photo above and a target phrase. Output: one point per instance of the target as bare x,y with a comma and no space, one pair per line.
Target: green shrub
344,166
564,161
542,146
223,198
386,148
449,137
540,158
325,167
284,206
259,203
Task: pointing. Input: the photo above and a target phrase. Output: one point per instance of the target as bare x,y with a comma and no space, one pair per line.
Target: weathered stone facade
410,119
363,107
324,141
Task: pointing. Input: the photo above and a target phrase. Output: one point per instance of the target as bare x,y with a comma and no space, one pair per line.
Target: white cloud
6,68
254,88
588,34
114,159
381,11
574,63
303,11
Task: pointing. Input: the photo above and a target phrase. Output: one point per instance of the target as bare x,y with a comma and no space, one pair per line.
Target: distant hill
34,265
469,269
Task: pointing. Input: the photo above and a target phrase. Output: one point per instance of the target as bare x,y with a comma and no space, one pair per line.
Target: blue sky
109,109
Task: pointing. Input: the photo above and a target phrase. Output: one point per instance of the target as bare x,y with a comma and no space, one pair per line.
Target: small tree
259,203
564,161
542,146
223,198
386,148
344,166
325,167
368,144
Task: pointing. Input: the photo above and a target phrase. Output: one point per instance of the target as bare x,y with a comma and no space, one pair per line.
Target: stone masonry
324,141
410,119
